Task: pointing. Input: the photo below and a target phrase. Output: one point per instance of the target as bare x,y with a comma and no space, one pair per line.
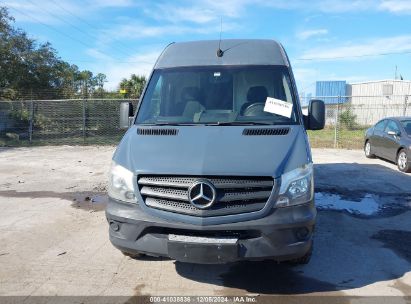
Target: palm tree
133,86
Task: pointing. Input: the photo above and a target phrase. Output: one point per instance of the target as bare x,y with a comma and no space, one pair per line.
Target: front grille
234,195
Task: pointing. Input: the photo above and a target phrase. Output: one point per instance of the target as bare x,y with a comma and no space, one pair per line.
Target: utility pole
406,98
31,116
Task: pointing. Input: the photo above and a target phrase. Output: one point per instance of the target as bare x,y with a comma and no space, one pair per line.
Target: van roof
236,52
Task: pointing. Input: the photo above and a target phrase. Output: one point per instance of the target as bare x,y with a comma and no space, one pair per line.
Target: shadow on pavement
349,252
369,178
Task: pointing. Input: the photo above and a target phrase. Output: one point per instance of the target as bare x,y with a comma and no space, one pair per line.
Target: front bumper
283,234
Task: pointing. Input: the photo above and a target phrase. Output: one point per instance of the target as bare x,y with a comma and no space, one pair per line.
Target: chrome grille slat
234,194
244,196
187,208
175,194
185,182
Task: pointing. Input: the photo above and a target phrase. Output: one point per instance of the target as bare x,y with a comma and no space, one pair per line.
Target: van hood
213,150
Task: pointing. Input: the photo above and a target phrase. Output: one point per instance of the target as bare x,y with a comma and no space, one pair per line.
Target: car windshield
219,95
407,126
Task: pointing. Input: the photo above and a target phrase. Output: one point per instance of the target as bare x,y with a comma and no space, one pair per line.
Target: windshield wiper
169,124
239,123
219,123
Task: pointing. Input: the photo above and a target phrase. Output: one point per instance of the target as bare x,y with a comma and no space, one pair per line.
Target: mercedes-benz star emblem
202,194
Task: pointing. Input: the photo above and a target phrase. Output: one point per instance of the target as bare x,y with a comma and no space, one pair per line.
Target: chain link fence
67,121
349,117
96,121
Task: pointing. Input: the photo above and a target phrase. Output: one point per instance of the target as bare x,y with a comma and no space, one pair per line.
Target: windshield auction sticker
279,107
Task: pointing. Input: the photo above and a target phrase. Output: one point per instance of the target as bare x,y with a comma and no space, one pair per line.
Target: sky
325,40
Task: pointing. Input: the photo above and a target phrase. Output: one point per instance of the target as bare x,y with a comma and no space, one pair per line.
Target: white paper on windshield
279,107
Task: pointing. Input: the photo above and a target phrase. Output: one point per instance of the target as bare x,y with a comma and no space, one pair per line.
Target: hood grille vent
266,131
159,132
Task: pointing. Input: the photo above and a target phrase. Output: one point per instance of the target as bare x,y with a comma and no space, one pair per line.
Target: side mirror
126,115
316,115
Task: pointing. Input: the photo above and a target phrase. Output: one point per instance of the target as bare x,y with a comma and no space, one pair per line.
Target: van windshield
218,95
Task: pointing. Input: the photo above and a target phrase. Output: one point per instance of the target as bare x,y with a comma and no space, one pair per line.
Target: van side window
156,98
153,96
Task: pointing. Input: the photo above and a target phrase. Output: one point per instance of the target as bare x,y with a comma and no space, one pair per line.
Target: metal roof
377,81
236,52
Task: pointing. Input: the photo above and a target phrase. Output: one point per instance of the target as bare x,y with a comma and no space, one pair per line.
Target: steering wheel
255,109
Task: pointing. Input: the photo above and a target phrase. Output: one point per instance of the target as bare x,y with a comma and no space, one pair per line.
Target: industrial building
367,101
331,92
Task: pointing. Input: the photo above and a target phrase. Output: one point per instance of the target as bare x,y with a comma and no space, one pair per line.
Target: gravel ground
54,236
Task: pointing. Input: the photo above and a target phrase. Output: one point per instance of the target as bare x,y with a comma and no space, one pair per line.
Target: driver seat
256,94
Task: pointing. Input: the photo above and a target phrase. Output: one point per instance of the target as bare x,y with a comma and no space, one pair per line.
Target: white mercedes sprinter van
216,166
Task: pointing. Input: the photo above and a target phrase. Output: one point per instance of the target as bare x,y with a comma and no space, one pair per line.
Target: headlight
121,184
297,187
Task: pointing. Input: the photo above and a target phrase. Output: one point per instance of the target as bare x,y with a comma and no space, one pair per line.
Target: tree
34,70
100,79
133,86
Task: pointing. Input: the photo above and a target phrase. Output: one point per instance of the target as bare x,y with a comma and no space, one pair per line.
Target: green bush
22,116
347,120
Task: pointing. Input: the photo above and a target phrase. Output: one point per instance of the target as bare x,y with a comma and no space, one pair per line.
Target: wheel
305,259
367,150
133,255
402,162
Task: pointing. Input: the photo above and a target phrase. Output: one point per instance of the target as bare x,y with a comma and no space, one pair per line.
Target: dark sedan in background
390,139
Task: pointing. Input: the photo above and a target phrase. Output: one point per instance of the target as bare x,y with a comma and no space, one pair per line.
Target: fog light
114,226
283,201
129,195
302,233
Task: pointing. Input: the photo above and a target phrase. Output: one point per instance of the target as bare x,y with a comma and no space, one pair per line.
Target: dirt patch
139,297
89,201
401,286
138,288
